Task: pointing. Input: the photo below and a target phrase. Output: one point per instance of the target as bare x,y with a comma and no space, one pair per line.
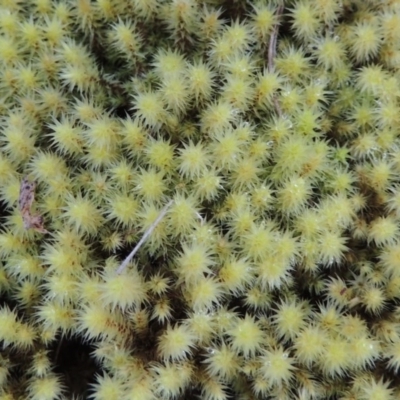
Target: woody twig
273,40
25,202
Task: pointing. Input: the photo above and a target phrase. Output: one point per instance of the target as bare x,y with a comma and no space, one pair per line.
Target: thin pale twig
145,236
274,39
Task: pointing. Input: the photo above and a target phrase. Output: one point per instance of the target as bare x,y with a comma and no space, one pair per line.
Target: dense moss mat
271,128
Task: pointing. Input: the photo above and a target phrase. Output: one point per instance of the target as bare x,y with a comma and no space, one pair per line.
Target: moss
266,134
